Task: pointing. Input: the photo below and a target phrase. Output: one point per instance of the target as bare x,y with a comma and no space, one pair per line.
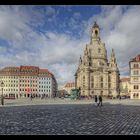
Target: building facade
10,77
134,65
68,87
25,81
28,80
95,75
125,86
45,82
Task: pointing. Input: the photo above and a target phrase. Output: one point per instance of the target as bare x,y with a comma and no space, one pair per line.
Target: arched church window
109,79
99,50
89,63
96,32
101,79
101,85
92,79
92,85
101,82
83,79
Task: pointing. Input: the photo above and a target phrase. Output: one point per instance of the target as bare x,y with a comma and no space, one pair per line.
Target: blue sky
54,37
65,19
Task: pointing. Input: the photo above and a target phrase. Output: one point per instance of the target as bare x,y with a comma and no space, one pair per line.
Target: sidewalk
28,101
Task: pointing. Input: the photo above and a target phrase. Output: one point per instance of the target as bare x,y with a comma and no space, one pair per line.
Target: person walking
100,101
31,97
96,100
120,97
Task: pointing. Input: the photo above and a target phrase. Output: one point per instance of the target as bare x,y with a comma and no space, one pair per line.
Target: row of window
35,90
10,89
22,85
25,77
136,94
135,72
44,82
136,65
16,77
135,79
44,78
44,90
28,71
11,85
5,81
101,85
9,77
27,90
28,81
44,87
101,79
136,86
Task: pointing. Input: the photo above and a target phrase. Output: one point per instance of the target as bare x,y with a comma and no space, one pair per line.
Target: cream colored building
68,87
25,81
134,65
125,86
95,75
10,78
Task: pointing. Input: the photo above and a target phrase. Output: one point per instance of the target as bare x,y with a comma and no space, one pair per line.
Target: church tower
115,75
95,35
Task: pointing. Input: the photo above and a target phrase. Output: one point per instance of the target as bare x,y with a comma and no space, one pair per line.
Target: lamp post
2,98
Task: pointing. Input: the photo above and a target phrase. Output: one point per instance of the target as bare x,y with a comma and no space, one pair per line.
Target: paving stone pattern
70,119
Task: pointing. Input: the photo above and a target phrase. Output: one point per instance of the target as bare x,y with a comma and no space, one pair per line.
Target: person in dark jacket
96,99
100,101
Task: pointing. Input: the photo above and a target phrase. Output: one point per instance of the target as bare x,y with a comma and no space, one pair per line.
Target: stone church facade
95,75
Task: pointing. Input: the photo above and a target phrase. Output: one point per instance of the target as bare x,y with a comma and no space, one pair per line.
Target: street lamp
2,98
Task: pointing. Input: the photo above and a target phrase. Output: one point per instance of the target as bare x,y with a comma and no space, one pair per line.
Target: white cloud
119,30
57,52
60,52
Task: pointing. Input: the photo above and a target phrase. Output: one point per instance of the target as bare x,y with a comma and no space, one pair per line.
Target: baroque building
134,65
95,75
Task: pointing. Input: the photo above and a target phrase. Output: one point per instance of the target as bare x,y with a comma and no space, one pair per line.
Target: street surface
71,118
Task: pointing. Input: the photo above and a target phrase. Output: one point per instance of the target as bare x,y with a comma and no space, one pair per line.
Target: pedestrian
96,100
100,101
120,98
31,97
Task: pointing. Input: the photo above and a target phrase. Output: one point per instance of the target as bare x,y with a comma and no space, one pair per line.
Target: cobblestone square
71,119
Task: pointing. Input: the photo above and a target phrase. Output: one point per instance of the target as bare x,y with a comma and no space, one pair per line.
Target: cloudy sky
54,37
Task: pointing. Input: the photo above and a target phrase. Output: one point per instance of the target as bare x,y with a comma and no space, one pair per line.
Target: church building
95,75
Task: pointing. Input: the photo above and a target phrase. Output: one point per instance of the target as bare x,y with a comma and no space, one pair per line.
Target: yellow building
10,78
68,87
134,65
125,86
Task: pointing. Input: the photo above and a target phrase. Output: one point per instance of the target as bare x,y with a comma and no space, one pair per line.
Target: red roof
43,70
25,70
136,59
70,84
125,79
